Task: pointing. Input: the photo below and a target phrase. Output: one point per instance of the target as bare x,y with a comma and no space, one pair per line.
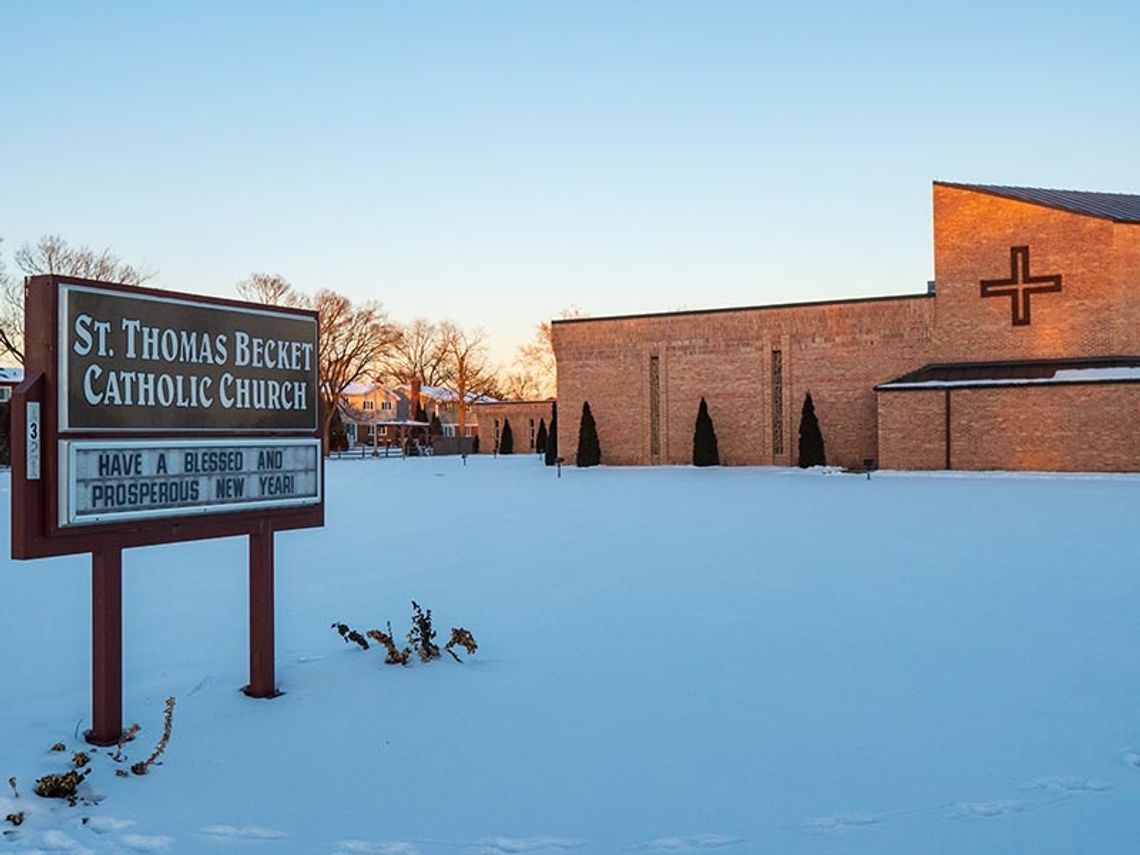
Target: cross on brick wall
1020,285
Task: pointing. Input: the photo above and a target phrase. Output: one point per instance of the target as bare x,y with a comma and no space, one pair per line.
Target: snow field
670,660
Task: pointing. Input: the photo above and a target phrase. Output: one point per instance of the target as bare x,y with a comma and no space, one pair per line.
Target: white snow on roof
1063,375
1119,373
359,388
439,393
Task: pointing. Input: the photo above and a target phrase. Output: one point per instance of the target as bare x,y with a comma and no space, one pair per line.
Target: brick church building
1024,353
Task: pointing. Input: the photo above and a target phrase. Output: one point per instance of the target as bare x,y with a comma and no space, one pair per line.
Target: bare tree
523,385
470,374
271,289
536,358
52,254
354,341
11,316
418,354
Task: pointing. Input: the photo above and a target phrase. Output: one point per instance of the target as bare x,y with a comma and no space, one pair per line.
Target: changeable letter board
105,481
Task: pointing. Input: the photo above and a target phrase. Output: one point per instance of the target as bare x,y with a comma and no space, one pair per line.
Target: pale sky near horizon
496,162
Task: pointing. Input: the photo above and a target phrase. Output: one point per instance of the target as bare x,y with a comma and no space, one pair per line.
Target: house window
385,405
449,430
383,430
5,393
532,434
369,405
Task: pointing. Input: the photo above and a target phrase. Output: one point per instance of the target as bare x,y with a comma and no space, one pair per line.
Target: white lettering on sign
33,446
141,362
109,481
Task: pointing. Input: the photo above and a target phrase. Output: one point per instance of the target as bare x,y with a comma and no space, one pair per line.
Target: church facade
1024,353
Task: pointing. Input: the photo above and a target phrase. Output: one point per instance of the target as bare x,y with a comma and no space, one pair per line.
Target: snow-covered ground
671,660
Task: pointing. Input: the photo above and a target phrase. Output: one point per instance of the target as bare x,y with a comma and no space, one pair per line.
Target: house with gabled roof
375,414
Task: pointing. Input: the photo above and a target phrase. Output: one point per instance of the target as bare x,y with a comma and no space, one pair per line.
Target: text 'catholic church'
1024,355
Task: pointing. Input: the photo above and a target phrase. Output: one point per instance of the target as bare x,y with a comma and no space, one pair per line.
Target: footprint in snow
240,833
365,847
205,684
1069,784
144,842
106,824
513,845
989,809
843,820
687,844
61,841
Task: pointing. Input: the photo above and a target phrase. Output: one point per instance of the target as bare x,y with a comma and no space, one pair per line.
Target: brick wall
1073,427
912,429
836,351
1096,312
520,413
1065,428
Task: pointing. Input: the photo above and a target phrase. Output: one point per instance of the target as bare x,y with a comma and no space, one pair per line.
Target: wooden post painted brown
262,680
106,646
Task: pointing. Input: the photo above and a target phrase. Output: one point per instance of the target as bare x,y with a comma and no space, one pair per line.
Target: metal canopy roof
1016,372
1118,207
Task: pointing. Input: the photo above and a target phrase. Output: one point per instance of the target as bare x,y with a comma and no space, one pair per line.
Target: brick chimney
414,398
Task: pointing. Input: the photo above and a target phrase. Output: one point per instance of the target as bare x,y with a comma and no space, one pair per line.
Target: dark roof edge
988,191
1111,361
1059,361
803,305
1003,384
515,401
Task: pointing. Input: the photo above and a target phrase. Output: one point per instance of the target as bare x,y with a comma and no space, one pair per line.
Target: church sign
135,362
150,417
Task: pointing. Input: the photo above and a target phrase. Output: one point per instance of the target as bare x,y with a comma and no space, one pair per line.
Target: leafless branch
417,354
270,289
52,254
535,370
11,316
469,372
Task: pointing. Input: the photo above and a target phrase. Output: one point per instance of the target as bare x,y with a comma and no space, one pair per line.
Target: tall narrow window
777,402
654,406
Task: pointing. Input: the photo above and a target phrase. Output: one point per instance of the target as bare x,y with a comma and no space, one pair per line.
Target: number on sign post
33,466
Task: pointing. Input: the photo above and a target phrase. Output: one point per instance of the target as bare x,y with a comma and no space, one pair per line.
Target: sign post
153,417
262,683
106,646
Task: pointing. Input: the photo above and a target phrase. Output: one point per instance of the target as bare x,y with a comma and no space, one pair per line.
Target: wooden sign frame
36,470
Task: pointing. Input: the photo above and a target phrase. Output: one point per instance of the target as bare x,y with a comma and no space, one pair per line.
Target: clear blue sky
495,162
